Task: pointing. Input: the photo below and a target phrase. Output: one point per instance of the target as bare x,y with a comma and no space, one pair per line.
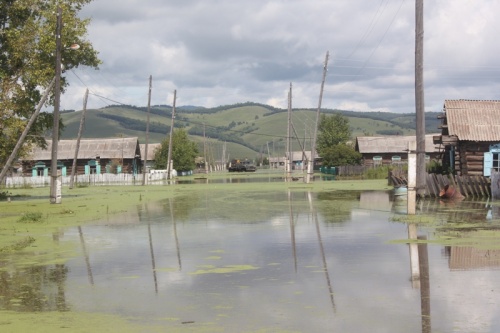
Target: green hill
245,129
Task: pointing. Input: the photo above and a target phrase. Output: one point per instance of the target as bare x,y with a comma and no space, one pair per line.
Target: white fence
85,180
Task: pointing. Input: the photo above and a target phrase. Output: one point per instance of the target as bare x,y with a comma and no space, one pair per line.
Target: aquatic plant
31,217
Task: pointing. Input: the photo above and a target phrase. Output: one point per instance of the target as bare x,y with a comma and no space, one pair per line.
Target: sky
220,52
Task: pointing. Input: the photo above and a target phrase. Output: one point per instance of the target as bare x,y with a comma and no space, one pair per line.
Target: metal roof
392,144
89,148
473,120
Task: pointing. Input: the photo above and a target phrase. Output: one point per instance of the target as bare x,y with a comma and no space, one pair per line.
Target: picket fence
86,180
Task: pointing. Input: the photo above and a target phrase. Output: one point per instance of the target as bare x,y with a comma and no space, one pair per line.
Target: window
377,160
396,159
492,160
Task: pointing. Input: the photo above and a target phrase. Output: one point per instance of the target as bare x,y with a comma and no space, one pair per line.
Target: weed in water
32,217
24,243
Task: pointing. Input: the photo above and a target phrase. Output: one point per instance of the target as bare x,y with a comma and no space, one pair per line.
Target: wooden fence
469,186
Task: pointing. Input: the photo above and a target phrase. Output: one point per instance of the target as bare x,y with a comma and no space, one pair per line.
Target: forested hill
246,128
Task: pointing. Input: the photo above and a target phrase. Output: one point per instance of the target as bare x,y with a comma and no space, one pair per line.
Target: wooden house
298,160
150,159
387,150
115,155
470,135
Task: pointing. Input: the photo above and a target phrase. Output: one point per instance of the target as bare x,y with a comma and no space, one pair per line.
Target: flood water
276,262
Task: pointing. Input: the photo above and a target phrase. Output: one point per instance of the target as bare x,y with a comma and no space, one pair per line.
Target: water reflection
289,260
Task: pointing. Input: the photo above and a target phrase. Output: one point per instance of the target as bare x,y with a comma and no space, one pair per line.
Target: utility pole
310,165
20,142
169,154
80,130
205,149
55,183
288,166
144,167
419,95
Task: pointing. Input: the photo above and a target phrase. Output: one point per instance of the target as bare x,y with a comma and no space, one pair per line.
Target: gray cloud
222,52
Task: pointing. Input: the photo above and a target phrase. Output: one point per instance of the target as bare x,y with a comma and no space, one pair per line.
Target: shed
109,155
470,135
385,150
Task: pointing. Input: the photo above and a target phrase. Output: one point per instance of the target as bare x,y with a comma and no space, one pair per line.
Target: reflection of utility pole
292,230
153,263
169,155
177,247
55,186
414,259
425,290
86,255
80,130
323,257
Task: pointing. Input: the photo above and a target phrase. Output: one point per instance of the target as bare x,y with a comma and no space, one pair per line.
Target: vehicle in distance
241,166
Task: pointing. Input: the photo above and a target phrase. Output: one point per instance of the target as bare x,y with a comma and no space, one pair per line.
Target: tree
341,154
27,63
184,152
334,132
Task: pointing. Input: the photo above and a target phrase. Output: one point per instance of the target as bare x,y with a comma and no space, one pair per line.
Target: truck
241,166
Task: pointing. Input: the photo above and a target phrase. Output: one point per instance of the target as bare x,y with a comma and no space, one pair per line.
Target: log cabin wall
469,157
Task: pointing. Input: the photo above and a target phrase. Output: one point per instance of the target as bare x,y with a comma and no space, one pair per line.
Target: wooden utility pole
169,155
310,164
80,131
55,195
288,133
419,95
30,123
144,167
205,149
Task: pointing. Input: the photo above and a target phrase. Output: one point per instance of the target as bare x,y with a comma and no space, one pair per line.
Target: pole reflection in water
320,241
177,247
425,287
86,256
151,249
292,231
153,263
414,258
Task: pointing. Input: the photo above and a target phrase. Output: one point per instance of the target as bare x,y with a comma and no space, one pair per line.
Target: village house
95,156
470,135
298,160
387,150
150,159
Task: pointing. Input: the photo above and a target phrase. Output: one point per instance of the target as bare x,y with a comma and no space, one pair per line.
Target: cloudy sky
218,52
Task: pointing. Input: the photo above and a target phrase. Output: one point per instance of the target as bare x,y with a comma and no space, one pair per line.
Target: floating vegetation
224,270
22,244
31,217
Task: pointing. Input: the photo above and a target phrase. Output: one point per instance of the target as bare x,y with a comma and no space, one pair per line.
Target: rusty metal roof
89,148
473,120
392,144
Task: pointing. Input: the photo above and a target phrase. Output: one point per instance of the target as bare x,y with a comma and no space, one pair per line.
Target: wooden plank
458,180
431,191
463,181
472,186
484,186
495,185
